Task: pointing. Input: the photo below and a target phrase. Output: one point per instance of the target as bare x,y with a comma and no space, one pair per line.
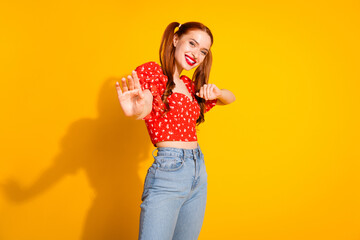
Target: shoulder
188,82
185,77
151,76
149,68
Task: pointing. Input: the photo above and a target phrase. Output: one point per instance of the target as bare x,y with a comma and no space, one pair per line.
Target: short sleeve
209,104
151,77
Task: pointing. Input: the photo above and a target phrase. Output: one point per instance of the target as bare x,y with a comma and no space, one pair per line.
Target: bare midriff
178,144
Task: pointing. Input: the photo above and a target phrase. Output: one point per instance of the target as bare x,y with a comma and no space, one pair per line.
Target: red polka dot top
179,124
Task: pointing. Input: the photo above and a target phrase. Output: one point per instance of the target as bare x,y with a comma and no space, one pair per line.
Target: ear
175,40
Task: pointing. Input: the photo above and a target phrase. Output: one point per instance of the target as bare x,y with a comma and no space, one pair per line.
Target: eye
192,43
204,53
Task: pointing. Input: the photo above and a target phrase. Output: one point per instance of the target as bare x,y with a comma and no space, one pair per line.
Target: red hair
167,61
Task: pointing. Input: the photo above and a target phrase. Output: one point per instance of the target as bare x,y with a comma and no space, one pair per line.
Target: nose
196,55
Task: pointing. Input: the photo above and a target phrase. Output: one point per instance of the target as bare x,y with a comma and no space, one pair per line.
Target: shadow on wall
109,150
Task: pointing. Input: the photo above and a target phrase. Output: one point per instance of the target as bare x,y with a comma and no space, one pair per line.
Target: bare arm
211,91
226,97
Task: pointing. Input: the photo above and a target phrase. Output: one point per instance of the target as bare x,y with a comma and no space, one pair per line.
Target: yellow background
283,159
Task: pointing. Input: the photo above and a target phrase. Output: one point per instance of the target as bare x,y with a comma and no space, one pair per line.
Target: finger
136,80
210,88
131,83
141,94
206,91
124,86
201,92
118,88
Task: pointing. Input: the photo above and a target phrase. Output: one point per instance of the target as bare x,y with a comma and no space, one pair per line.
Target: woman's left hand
209,92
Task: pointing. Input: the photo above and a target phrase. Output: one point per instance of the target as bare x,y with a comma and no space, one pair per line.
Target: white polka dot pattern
179,124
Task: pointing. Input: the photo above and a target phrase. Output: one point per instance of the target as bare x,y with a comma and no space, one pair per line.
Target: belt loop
153,152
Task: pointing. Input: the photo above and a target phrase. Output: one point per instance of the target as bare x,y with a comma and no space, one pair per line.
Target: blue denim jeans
174,196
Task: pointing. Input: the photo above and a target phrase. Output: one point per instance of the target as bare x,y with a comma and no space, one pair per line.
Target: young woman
175,188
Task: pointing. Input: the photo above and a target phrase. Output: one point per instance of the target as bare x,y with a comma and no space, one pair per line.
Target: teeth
190,60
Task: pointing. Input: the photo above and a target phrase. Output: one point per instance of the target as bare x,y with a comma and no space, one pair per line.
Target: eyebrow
198,44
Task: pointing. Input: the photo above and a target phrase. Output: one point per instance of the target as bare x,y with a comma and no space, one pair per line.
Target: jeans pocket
169,163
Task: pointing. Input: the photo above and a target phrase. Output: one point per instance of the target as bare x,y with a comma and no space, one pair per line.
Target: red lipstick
190,60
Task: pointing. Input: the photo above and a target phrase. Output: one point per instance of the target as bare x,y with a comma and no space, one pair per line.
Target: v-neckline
185,96
187,90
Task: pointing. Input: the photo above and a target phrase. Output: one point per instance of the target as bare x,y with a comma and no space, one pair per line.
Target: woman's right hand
132,98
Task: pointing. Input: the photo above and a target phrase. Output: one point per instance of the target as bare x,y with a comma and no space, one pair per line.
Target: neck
177,72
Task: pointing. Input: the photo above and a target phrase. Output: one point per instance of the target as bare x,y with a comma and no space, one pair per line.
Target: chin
187,67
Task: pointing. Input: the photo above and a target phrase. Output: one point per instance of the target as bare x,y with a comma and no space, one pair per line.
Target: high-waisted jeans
174,196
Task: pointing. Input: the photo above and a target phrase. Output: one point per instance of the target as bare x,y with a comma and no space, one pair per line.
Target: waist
177,144
179,152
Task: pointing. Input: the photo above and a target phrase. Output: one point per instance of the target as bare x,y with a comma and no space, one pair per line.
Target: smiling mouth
189,60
